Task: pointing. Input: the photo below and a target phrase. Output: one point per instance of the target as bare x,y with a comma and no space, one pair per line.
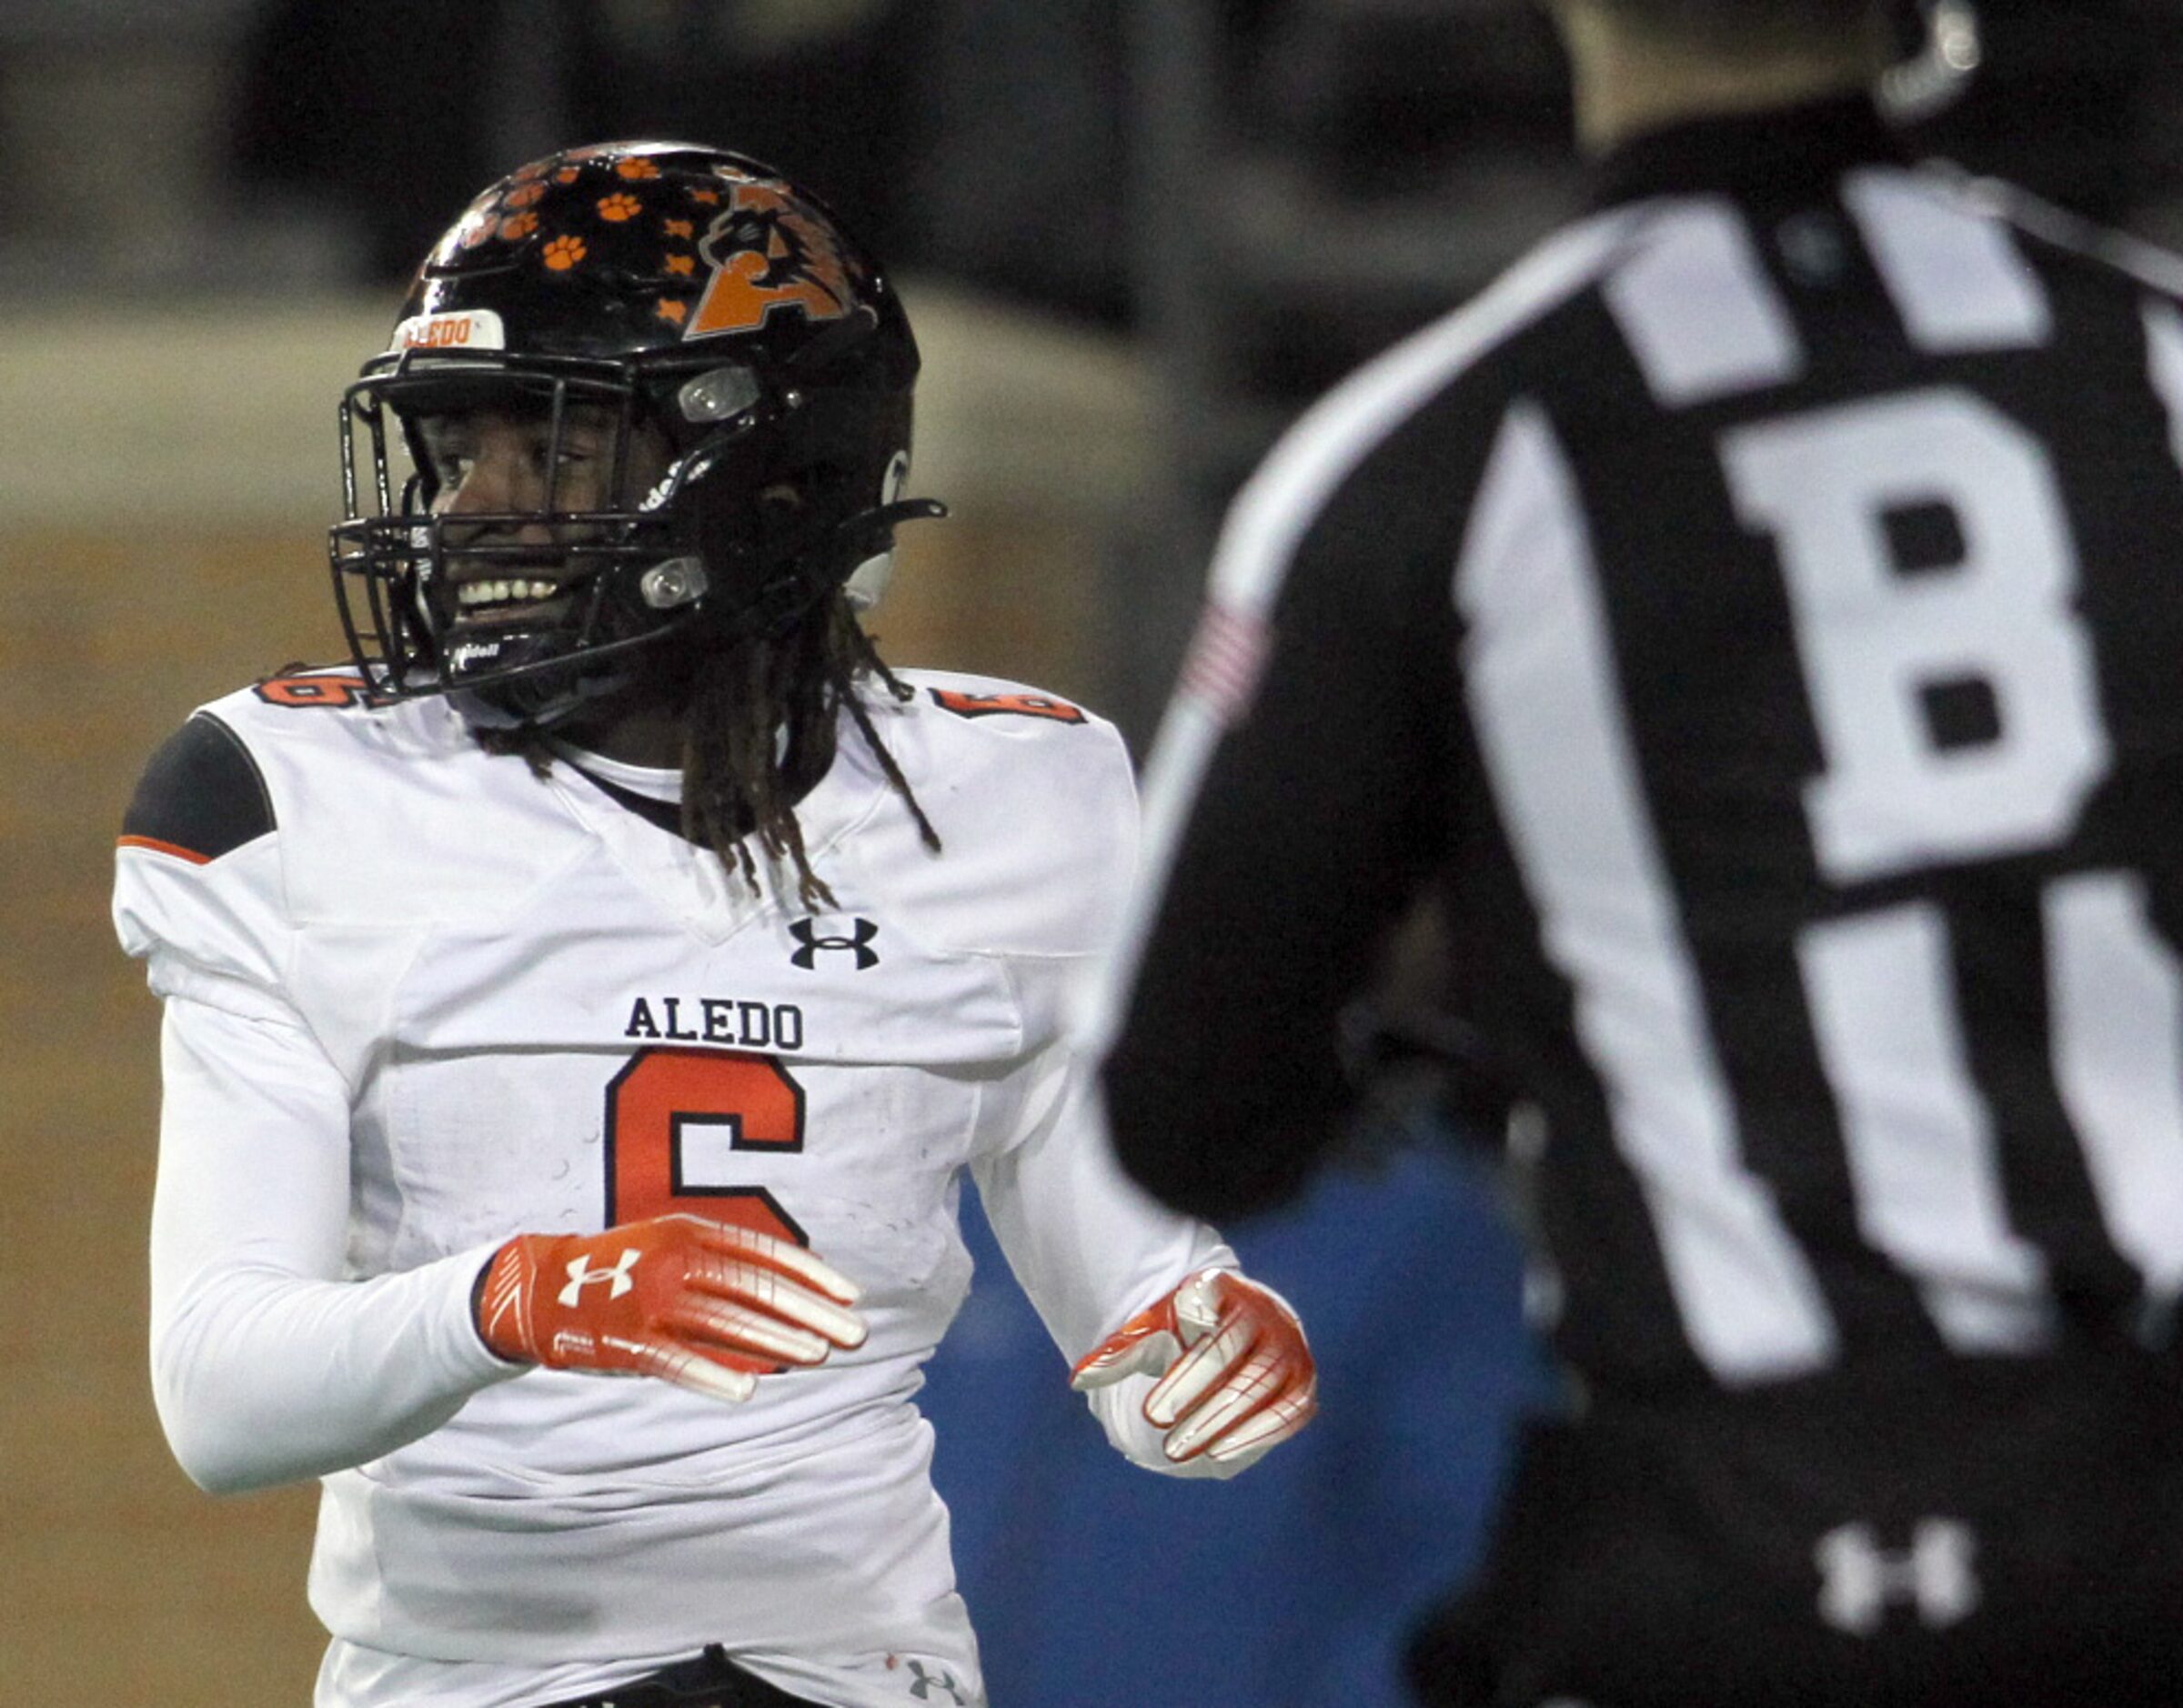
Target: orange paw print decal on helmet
637,168
516,226
523,195
620,207
564,253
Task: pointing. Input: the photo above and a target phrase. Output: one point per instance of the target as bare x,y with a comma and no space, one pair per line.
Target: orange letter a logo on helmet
768,252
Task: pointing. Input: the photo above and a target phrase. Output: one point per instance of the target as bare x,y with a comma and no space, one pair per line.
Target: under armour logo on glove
706,1305
861,934
581,1275
929,1685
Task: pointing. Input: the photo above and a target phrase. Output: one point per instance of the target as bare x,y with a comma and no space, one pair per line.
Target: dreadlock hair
759,728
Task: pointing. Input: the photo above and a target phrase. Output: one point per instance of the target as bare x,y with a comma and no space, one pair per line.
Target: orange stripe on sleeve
156,847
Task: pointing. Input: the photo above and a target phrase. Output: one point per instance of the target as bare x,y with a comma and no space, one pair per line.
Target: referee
1757,621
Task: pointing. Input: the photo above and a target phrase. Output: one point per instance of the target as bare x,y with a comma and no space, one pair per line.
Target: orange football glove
701,1304
1245,1383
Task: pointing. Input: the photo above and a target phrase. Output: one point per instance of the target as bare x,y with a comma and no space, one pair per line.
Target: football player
612,971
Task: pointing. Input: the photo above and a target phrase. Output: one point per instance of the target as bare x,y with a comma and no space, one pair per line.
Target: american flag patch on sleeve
1222,668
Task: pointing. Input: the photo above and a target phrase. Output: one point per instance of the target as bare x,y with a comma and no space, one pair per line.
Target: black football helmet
666,288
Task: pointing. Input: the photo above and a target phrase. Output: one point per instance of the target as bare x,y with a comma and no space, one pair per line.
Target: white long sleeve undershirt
266,1366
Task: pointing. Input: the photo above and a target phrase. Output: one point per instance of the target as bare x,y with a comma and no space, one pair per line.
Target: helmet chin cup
685,297
537,702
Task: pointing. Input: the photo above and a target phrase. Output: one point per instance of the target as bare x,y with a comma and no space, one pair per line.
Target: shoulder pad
1035,803
201,796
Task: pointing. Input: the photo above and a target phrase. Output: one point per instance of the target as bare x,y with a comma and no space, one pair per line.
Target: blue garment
1093,1582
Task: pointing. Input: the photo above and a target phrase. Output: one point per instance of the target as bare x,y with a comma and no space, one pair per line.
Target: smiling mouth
504,599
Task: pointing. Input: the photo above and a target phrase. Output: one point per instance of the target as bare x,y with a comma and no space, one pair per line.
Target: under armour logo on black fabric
1935,1576
930,1684
861,934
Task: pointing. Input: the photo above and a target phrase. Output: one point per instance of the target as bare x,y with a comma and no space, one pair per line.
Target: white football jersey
430,999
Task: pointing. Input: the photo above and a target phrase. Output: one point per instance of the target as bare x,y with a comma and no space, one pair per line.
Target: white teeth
474,594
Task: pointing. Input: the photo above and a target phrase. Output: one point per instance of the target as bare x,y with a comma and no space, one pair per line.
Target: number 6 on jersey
670,1110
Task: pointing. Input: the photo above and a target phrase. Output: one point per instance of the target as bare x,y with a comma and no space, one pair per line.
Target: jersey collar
1785,153
690,881
656,796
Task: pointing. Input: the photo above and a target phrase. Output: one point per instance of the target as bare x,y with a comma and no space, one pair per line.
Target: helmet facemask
768,500
527,612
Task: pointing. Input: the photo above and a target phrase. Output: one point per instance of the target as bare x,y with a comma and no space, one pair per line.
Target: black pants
711,1681
2001,1535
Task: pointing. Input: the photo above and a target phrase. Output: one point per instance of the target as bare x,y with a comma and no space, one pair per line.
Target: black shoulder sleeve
202,794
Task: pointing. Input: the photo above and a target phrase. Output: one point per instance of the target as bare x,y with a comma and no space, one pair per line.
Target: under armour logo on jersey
581,1275
928,1686
1863,1580
861,934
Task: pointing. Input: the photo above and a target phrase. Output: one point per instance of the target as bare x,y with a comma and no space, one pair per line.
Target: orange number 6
662,1093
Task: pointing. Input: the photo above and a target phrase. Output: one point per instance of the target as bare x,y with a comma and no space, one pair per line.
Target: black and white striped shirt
1761,614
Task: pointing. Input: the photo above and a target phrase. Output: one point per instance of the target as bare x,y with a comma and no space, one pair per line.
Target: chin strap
807,576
